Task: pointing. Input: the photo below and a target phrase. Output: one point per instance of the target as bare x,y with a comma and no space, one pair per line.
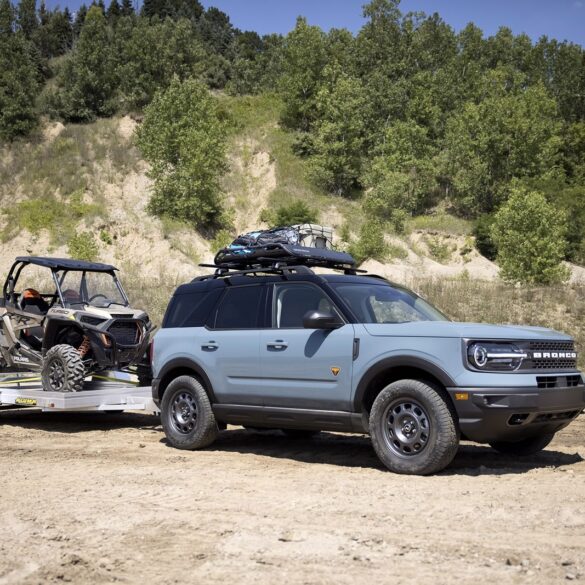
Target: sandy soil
102,498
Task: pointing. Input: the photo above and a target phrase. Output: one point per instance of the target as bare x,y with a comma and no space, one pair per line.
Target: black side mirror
321,320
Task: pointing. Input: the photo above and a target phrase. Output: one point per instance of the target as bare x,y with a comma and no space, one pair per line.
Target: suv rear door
229,345
304,368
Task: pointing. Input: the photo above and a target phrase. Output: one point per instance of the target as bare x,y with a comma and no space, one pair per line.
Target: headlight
494,357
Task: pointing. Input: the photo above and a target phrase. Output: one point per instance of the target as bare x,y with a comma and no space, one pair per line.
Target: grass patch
441,222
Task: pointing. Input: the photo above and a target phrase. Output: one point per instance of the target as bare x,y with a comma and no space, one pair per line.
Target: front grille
554,364
551,346
125,332
548,362
574,381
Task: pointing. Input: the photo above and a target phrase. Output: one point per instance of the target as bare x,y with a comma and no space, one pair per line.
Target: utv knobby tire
63,370
524,447
186,415
413,428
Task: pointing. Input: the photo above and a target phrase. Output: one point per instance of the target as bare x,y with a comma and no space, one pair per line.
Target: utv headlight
495,357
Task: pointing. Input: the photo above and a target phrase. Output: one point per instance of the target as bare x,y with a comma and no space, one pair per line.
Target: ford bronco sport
80,325
282,347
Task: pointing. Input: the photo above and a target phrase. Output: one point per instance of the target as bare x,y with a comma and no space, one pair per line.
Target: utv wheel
413,428
63,370
186,415
524,447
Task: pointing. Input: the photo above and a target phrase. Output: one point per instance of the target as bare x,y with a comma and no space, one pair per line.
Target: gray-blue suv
286,348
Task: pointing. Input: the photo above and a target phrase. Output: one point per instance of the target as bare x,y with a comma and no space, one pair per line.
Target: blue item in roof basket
279,235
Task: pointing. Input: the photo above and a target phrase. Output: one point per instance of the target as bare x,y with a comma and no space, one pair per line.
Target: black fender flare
186,363
398,362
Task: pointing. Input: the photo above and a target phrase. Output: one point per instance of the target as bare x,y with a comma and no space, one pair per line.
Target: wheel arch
54,327
392,369
183,366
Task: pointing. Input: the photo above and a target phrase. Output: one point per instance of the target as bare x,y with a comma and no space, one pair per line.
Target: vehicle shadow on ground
357,451
76,422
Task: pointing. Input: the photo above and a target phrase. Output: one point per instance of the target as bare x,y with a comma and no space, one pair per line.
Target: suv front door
305,368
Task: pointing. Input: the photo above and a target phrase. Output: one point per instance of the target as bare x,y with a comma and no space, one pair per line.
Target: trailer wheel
186,414
63,370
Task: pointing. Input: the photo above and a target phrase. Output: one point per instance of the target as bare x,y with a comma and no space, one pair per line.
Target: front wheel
186,415
63,370
524,447
413,428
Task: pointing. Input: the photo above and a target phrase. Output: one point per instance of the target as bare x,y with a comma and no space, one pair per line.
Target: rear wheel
186,415
413,428
62,370
524,447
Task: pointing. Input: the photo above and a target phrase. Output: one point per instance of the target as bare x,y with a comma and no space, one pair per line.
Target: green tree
403,175
339,133
304,58
6,17
529,234
184,140
27,17
87,83
505,136
151,53
19,86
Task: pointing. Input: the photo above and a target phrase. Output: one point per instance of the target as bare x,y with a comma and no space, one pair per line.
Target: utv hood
463,331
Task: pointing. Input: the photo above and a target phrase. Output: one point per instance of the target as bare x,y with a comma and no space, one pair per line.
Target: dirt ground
101,498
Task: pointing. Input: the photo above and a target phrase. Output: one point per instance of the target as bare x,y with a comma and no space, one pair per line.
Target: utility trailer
106,394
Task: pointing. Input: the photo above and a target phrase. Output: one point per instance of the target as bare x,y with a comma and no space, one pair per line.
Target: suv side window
291,301
239,308
192,309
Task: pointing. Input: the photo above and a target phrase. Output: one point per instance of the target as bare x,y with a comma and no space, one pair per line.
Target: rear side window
239,308
192,309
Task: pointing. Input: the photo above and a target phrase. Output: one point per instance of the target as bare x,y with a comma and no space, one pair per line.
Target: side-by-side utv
81,323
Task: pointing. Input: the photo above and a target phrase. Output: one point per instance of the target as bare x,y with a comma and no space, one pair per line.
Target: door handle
209,346
278,345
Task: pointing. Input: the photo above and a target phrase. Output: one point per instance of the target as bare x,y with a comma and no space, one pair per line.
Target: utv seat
36,306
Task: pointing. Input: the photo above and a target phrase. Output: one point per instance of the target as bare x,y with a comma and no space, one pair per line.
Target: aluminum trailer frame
18,390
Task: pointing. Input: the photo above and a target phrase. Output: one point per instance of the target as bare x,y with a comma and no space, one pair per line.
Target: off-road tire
413,428
525,447
186,415
300,433
63,370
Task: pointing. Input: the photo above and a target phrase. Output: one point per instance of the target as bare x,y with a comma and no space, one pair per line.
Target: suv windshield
381,303
99,289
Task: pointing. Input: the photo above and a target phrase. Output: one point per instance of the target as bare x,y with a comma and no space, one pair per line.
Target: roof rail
225,272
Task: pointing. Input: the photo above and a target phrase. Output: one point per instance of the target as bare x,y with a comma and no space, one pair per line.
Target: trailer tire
63,370
186,415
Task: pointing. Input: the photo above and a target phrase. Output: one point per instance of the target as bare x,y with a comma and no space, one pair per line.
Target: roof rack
271,255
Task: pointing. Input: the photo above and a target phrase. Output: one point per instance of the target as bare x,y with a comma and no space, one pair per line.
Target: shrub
83,246
530,236
370,244
296,212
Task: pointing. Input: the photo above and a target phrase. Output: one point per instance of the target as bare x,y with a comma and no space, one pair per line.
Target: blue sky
561,19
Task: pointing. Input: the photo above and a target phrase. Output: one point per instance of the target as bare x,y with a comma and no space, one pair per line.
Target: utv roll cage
56,265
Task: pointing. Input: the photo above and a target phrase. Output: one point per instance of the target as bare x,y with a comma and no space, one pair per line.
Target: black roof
66,264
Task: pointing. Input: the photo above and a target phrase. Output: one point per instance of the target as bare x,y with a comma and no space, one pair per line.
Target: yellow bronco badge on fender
26,401
335,370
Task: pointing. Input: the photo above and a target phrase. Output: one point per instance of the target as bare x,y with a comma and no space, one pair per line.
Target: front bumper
513,414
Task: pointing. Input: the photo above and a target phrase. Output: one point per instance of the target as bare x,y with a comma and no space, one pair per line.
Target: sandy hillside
103,499
144,245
